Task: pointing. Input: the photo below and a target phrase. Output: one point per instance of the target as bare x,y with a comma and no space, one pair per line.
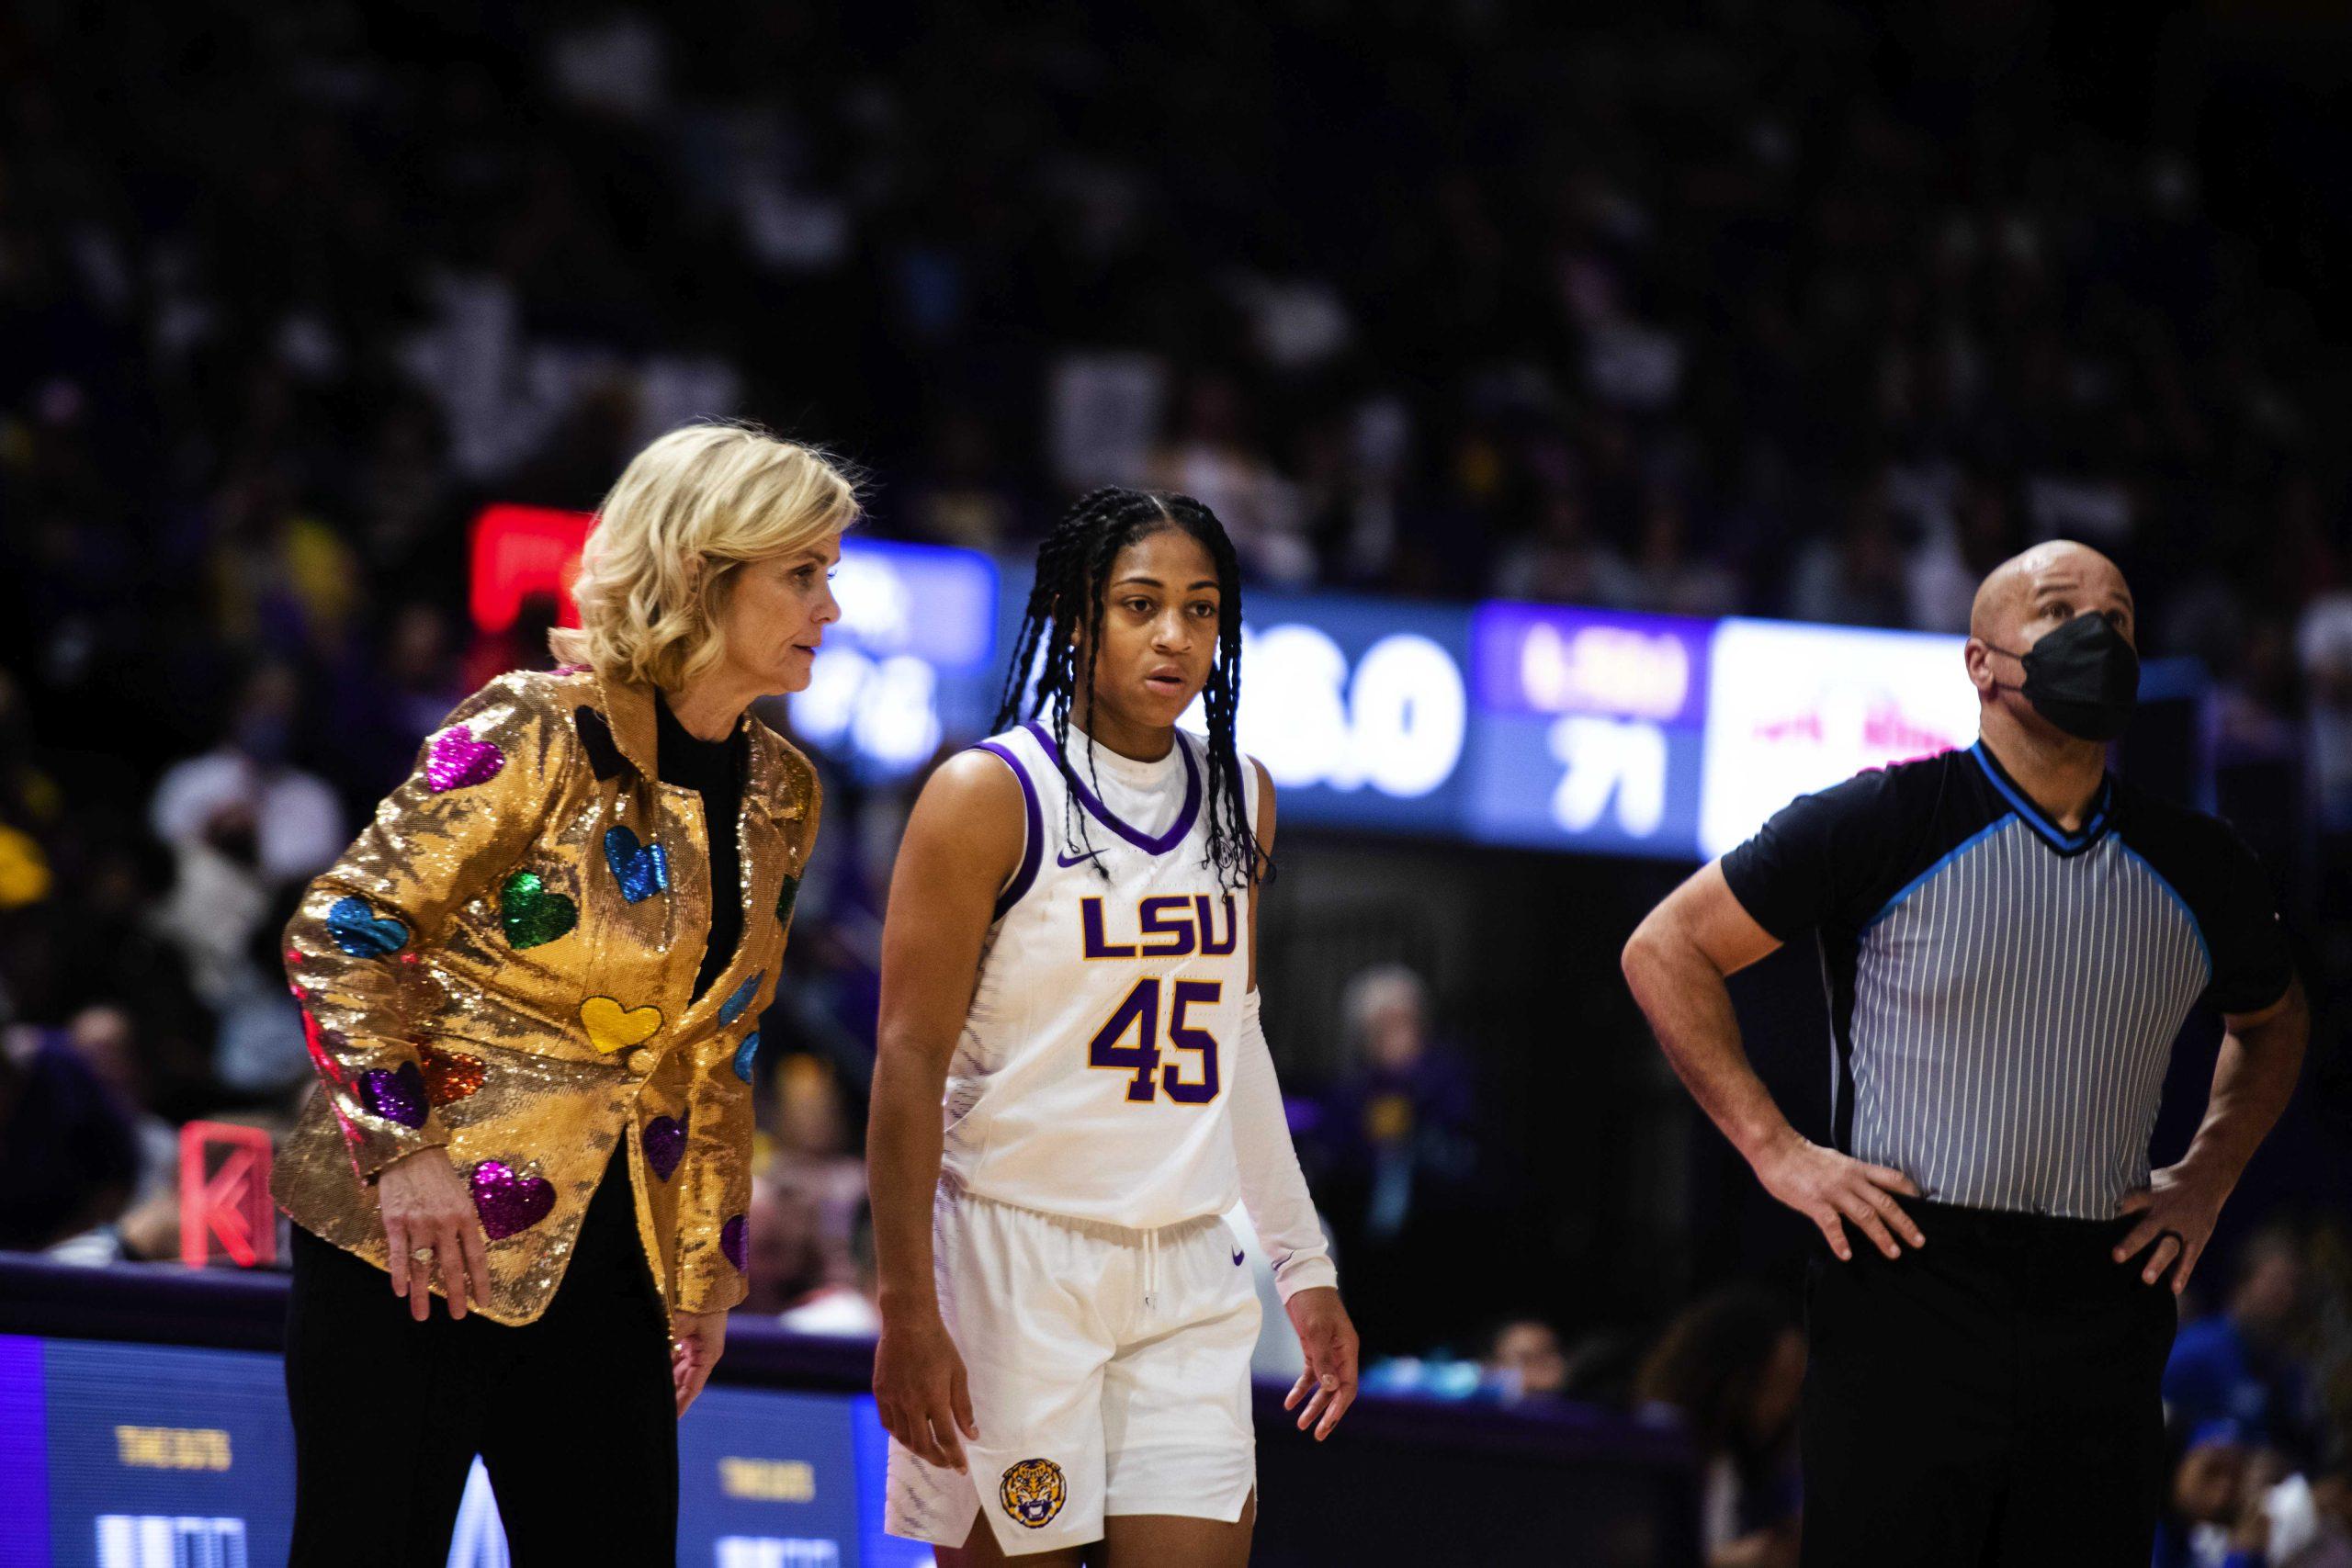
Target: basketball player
1069,967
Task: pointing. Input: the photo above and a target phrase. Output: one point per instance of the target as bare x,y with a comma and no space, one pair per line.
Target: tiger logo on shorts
1033,1492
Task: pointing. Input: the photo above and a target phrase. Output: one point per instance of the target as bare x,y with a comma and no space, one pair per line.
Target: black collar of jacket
623,713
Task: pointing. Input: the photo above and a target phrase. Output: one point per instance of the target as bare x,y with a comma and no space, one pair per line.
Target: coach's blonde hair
688,511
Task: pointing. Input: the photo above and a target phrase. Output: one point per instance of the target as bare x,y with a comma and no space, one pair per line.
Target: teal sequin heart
732,1008
643,870
362,932
784,900
532,913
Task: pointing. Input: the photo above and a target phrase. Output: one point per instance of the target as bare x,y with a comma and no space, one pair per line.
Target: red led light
521,550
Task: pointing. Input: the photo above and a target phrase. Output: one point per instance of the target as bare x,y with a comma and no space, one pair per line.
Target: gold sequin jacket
501,965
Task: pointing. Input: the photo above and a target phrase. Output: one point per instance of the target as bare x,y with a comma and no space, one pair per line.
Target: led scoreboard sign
1358,707
1593,726
1546,726
913,658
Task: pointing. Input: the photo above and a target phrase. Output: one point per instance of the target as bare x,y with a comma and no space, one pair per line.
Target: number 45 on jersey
1139,1015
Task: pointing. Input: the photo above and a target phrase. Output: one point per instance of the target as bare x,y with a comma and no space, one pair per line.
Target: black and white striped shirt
2003,994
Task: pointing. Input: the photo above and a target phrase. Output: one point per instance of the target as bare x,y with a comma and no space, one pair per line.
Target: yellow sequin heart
612,1028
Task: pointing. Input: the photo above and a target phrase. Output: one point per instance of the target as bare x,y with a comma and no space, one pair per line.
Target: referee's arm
2262,1055
1675,962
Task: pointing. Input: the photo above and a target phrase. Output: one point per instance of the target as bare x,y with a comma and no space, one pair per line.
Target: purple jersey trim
1102,814
1032,848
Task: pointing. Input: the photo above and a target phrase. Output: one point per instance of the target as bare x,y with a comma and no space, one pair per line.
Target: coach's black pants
1988,1401
573,1414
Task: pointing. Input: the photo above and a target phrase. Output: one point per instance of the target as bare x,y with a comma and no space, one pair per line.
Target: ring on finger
421,1254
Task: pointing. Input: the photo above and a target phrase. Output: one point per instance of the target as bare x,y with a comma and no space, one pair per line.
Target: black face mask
2082,677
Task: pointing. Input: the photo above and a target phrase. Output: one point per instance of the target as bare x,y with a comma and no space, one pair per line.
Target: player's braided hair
1073,574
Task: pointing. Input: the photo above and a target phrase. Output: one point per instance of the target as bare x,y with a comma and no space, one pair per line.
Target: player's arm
1676,962
962,843
1281,1209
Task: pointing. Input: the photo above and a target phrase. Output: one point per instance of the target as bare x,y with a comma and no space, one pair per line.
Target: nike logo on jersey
1062,860
1237,1260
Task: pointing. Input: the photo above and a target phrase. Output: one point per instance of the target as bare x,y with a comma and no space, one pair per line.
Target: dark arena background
1614,408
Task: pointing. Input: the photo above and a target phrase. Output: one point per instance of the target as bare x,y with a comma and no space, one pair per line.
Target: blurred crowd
1798,309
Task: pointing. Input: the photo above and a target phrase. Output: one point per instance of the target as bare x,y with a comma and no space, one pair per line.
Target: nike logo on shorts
1237,1260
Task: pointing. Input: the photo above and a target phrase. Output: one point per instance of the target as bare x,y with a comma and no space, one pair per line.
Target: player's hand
2177,1211
1834,1190
1329,1338
924,1397
696,1339
425,1206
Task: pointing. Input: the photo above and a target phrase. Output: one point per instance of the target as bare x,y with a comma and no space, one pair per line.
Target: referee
2011,937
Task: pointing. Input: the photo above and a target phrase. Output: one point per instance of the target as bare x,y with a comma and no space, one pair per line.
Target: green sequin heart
784,900
531,914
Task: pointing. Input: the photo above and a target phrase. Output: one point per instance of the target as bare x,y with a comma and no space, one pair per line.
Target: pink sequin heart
508,1201
459,759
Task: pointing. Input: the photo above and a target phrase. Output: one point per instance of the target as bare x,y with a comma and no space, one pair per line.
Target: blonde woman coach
531,987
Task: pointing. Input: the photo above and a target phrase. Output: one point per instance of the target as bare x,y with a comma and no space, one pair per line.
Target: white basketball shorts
1110,1374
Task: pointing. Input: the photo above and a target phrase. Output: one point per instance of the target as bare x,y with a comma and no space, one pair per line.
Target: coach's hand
920,1387
1834,1190
697,1341
427,1209
2176,1210
1329,1338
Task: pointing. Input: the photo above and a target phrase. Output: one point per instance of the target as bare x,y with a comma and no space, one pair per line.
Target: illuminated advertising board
158,1456
1793,708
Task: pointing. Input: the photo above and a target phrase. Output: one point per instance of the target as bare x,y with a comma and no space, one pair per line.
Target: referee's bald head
2046,586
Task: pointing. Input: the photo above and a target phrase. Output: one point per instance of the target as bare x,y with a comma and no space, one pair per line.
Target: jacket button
643,1060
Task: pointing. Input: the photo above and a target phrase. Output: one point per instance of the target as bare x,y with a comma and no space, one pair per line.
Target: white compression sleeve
1272,1188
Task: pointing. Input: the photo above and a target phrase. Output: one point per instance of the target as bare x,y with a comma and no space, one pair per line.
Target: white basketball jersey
1091,1080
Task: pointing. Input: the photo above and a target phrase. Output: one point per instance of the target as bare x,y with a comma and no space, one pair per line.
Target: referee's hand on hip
2178,1211
1834,1190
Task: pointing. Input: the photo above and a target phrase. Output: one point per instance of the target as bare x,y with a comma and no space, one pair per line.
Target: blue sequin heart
744,1054
362,932
641,869
732,1008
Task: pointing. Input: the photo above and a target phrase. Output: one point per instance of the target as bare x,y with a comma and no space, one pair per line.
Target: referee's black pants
1988,1401
573,1414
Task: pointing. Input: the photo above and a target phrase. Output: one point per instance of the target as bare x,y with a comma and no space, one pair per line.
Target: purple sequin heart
508,1201
459,759
731,1236
665,1144
396,1094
